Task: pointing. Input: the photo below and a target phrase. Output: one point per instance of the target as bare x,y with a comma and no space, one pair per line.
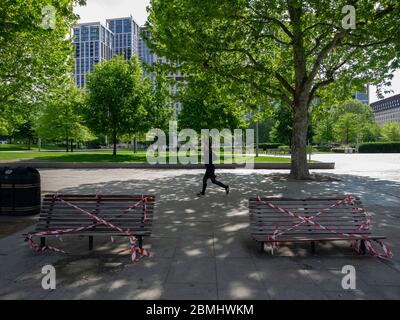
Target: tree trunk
115,143
72,145
299,166
67,145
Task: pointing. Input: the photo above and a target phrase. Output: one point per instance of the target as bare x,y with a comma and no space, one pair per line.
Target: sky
100,10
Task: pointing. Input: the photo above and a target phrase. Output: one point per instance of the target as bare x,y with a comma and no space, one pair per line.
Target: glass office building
92,43
362,97
126,36
95,42
148,58
145,55
387,110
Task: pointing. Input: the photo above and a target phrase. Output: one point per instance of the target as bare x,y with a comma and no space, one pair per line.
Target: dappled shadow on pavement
202,247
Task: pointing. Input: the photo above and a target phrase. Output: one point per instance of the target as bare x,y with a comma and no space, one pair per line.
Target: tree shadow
202,248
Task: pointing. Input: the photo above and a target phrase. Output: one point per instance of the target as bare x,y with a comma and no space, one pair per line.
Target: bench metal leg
312,247
42,242
90,243
363,249
140,239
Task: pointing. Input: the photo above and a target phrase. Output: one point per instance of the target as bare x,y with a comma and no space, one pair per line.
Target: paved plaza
201,247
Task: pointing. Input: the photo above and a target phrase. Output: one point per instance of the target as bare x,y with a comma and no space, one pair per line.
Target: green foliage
266,146
25,132
157,100
323,130
62,119
341,123
282,131
264,128
338,150
32,58
345,128
391,131
115,98
289,51
206,104
380,147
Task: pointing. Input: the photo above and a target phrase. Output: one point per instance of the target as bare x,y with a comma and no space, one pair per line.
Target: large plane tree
289,50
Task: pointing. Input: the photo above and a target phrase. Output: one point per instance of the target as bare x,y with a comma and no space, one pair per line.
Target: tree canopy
114,100
33,54
207,105
62,117
291,51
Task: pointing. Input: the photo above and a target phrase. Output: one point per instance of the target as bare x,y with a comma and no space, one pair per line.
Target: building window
94,33
118,26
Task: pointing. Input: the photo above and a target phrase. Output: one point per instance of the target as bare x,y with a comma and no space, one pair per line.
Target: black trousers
213,180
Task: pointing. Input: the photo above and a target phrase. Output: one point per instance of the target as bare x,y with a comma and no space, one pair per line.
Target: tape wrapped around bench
56,215
345,218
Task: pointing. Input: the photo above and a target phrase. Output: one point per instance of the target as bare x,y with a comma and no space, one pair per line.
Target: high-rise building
145,55
362,96
93,44
387,110
126,36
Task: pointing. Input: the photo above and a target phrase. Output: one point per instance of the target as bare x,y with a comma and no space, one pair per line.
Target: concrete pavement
201,246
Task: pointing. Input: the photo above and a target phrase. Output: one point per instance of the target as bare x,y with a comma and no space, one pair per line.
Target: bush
266,146
284,147
380,147
95,144
322,148
338,150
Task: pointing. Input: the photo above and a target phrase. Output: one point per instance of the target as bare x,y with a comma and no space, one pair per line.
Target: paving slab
202,248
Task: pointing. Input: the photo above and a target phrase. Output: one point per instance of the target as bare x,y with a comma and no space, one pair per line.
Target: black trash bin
19,191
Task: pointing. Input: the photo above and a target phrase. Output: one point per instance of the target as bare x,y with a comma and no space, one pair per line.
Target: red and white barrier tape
349,200
136,251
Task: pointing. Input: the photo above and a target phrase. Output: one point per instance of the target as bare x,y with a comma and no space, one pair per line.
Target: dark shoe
200,194
227,190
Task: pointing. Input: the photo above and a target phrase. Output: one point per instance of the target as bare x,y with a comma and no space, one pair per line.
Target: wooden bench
277,152
59,215
343,218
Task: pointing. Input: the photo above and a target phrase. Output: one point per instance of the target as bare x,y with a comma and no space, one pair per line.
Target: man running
210,174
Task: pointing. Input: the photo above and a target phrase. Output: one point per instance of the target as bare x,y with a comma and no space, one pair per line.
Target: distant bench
60,215
343,218
277,152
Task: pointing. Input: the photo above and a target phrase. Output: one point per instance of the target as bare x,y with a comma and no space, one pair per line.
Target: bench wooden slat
58,215
344,218
306,238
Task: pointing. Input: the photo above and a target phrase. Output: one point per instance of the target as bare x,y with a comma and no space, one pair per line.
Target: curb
116,165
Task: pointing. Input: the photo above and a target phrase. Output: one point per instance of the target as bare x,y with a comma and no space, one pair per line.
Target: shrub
380,147
338,150
266,146
322,148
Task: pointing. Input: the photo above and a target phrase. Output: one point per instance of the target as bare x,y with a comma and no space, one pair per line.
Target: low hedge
338,150
379,147
266,146
323,148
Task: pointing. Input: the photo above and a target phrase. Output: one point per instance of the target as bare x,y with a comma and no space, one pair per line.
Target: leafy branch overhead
291,51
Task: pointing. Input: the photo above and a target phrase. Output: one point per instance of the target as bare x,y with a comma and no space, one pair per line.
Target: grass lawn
25,147
99,156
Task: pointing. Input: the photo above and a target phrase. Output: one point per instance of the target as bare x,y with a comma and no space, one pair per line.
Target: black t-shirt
210,169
